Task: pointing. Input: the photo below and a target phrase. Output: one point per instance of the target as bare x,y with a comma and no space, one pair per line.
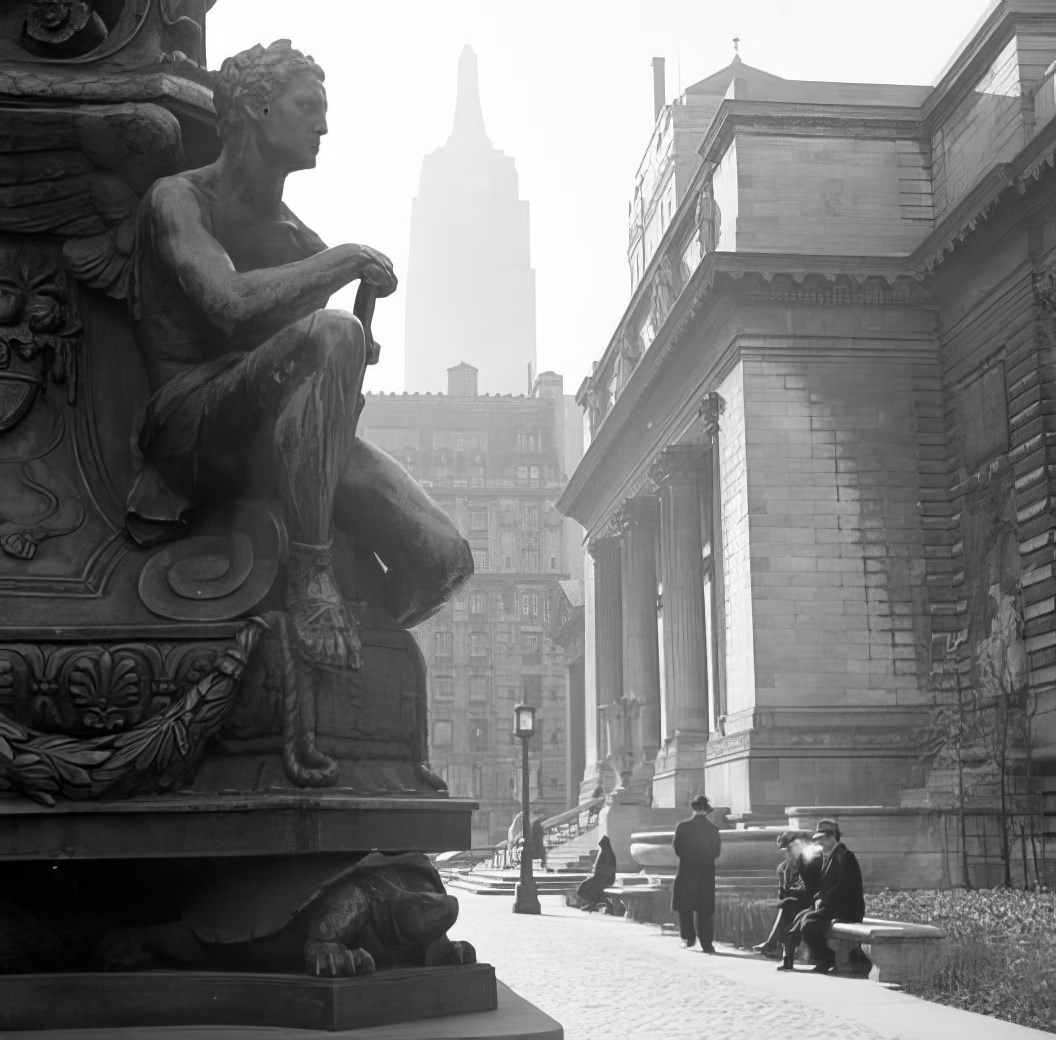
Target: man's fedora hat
825,828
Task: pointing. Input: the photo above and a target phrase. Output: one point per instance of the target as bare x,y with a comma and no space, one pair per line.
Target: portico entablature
733,303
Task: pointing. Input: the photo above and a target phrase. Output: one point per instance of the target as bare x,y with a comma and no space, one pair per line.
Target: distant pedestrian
797,881
840,897
595,810
697,845
537,837
592,891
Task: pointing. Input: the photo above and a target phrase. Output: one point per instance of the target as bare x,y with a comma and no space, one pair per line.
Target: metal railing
556,831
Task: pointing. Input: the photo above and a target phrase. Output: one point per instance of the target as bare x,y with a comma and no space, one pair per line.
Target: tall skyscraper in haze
470,283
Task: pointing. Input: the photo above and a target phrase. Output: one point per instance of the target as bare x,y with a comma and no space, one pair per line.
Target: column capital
681,463
638,511
604,546
712,406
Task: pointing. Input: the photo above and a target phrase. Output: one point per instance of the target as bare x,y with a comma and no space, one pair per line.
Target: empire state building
470,284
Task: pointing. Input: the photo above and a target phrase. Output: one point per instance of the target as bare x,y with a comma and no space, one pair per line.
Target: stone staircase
575,855
494,881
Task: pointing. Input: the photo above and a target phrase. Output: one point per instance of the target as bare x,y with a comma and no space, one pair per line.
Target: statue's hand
376,270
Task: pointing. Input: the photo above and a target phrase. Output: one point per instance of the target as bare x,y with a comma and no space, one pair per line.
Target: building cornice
1020,175
770,278
796,118
972,62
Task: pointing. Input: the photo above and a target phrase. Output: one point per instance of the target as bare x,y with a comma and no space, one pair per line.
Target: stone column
608,650
712,407
681,542
681,473
641,650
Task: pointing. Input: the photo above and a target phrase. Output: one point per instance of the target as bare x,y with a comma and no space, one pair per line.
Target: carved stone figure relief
39,341
630,354
708,220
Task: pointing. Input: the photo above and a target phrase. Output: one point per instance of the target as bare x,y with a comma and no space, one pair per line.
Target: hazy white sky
566,89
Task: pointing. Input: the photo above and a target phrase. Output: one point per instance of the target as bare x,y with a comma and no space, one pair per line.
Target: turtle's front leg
335,960
336,921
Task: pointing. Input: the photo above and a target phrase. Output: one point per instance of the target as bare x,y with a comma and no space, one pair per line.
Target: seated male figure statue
255,386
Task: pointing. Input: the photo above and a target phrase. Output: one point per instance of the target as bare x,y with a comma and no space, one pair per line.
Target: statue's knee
460,567
337,340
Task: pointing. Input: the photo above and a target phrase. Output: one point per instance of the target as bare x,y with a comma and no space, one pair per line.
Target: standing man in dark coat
697,845
840,897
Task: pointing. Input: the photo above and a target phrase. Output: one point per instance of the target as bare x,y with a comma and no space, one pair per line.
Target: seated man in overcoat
839,897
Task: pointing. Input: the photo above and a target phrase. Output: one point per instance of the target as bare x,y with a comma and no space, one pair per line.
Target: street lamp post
526,899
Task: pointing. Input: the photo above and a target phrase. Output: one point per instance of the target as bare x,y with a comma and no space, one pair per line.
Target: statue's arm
258,303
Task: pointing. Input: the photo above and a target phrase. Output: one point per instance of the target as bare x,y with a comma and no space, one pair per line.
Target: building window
478,735
442,734
532,642
478,646
480,560
443,690
526,605
444,643
478,603
478,691
478,518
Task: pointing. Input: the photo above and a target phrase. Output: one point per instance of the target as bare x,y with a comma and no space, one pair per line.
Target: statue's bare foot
324,629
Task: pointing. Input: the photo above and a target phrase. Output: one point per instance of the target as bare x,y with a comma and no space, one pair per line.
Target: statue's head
277,94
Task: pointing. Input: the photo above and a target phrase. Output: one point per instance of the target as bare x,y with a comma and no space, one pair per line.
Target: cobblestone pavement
606,978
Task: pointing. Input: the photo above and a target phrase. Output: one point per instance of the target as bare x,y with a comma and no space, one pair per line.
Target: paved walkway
606,978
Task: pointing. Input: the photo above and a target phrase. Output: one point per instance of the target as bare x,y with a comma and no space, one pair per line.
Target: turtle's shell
251,900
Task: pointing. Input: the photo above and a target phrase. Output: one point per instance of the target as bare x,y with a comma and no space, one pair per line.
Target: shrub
999,958
743,920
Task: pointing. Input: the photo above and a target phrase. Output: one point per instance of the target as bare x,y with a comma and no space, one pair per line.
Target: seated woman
797,880
592,891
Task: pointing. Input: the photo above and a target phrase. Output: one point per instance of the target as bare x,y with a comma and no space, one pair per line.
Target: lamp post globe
526,898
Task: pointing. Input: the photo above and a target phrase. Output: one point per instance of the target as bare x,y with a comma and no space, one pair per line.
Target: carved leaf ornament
157,755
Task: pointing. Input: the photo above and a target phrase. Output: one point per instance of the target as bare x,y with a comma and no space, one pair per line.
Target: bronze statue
382,911
255,385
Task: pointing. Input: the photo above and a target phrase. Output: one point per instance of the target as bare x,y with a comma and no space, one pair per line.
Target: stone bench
894,950
646,901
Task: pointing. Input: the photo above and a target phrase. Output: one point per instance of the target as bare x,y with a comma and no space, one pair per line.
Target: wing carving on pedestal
77,174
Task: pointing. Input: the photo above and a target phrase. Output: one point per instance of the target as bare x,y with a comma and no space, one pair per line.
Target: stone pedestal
679,771
167,732
184,998
622,819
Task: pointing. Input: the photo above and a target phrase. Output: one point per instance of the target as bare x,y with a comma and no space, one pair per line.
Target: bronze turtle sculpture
317,916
